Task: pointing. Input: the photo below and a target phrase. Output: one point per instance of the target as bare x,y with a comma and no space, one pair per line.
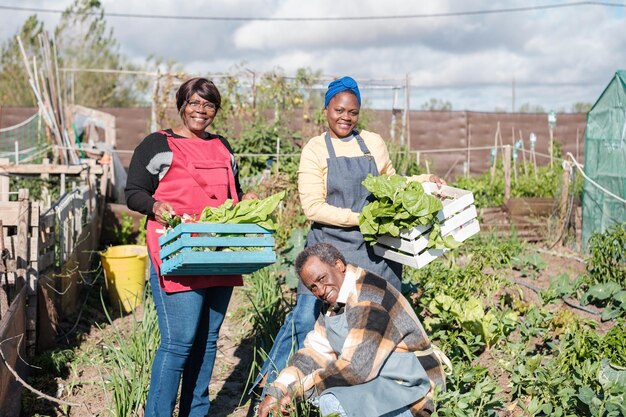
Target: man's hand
287,405
159,208
268,405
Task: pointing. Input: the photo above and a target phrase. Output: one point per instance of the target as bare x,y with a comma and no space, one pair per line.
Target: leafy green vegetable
491,326
246,211
401,204
172,221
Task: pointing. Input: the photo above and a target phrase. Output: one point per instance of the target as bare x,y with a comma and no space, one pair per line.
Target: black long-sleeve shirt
150,162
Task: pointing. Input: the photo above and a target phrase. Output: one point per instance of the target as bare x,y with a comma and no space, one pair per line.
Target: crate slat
214,242
423,258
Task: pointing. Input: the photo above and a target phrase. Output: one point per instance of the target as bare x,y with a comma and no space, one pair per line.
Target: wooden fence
44,252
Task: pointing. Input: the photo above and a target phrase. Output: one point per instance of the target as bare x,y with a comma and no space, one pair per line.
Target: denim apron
401,381
344,190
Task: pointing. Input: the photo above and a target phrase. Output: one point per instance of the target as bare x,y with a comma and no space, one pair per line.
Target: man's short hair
325,252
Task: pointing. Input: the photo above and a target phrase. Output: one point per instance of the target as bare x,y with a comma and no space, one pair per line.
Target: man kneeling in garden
368,354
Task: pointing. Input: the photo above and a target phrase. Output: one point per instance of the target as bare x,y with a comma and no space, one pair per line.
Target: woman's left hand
250,196
437,180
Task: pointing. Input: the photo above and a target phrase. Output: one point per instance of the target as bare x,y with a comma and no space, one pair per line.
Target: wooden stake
551,148
21,251
507,173
408,112
521,138
4,182
577,138
4,295
495,155
469,147
563,202
515,159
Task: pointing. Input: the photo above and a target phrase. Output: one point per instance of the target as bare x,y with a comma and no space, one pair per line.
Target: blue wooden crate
179,257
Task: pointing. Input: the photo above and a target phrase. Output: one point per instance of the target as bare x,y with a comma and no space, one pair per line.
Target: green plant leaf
604,291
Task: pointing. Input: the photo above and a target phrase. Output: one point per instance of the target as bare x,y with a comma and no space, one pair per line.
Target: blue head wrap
340,85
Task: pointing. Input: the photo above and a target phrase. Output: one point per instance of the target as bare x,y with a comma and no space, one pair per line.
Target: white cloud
557,56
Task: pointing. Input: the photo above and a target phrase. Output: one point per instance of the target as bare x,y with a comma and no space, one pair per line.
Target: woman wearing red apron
183,170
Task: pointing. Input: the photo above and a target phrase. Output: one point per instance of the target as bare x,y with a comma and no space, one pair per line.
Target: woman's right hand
159,208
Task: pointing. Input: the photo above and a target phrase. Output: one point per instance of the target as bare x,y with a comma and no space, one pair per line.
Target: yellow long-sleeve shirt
312,175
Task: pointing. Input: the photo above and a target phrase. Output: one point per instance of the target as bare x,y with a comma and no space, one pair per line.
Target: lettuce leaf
401,204
246,211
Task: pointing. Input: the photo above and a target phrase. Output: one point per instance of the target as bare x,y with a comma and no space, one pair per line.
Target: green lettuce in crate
401,204
246,211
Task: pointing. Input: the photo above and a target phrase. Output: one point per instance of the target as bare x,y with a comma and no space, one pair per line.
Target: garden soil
82,383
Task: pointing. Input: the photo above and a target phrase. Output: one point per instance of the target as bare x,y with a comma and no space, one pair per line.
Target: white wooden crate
458,219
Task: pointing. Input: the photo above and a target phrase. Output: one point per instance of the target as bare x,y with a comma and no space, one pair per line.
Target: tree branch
25,384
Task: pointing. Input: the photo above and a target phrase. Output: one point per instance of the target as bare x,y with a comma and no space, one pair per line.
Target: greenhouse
605,160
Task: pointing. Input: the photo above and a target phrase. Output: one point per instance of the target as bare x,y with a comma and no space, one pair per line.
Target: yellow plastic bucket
125,274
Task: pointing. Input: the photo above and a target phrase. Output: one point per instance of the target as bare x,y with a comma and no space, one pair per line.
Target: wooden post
4,182
62,187
469,147
45,194
21,251
495,156
567,168
32,281
392,129
515,159
507,173
551,148
577,139
278,156
4,296
408,112
523,152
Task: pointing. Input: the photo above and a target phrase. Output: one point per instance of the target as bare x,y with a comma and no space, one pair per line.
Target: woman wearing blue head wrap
332,167
340,85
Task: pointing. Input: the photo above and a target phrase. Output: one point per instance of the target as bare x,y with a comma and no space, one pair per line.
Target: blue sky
557,56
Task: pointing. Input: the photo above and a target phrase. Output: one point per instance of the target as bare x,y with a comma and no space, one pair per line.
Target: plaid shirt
380,322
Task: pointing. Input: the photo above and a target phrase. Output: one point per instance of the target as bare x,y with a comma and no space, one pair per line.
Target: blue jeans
329,404
298,323
189,322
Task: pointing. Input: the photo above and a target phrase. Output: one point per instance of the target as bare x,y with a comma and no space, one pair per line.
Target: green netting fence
23,142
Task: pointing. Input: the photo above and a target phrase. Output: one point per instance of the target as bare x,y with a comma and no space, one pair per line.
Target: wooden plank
507,172
530,206
38,169
12,325
10,213
4,296
45,261
4,182
32,278
21,250
47,220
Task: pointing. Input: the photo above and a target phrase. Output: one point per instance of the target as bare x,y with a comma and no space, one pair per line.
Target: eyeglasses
197,105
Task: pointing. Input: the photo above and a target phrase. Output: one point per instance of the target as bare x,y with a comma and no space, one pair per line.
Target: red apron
201,175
